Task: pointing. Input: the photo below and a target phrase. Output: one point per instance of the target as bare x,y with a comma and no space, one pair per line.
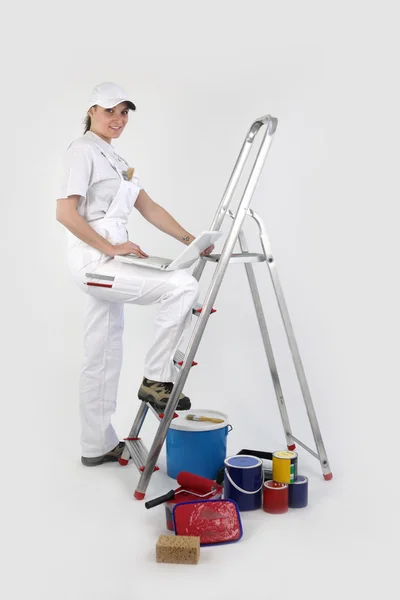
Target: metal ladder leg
321,456
267,344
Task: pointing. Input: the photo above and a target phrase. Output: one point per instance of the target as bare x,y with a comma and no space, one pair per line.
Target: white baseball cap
108,95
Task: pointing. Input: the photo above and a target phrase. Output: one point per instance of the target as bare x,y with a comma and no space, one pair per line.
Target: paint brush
128,174
207,419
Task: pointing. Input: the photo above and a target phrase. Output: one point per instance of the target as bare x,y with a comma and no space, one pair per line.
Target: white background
200,74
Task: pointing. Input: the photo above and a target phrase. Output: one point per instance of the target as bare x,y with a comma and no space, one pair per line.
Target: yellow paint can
284,466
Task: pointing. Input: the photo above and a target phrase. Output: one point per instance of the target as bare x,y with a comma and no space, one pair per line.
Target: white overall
176,291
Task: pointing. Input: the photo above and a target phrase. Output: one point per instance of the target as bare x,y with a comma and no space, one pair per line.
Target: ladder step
197,310
239,257
178,359
179,355
139,452
134,447
159,412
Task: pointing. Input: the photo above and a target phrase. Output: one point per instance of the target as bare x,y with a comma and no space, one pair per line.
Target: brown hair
88,123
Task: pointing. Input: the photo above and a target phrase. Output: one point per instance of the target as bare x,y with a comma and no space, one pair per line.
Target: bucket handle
240,489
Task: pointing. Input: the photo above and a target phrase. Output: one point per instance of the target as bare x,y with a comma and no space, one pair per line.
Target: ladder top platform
240,257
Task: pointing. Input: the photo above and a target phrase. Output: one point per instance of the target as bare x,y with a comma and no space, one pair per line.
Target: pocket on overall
83,257
114,235
131,286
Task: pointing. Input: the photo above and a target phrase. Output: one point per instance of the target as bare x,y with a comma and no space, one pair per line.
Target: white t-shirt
85,171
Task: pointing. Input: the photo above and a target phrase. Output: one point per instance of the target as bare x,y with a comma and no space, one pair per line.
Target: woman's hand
128,248
208,250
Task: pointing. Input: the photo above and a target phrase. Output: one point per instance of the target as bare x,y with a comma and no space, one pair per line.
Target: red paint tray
214,521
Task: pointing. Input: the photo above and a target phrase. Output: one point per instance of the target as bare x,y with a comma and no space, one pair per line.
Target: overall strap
110,160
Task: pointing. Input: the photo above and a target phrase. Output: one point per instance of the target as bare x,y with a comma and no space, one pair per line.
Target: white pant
176,291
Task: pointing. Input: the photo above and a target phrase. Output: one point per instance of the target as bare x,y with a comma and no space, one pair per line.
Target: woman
98,192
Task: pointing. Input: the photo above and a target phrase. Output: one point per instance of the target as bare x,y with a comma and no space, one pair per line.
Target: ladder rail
270,260
266,341
234,179
271,125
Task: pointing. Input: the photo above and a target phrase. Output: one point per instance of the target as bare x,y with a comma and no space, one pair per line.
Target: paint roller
189,484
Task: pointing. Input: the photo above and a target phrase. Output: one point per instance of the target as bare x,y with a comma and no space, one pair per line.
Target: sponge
179,549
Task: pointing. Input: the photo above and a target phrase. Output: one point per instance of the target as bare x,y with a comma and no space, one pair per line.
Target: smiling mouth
115,128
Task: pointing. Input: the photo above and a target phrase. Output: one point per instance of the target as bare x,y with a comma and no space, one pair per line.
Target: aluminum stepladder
146,461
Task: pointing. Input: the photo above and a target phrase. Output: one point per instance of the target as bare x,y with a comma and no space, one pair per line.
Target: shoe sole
93,462
182,404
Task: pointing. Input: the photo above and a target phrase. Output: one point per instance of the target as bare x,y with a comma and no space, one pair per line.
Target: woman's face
109,123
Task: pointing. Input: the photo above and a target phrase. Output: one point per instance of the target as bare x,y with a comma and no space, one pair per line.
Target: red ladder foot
155,469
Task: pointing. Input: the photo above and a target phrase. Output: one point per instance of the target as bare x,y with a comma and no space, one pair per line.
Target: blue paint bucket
198,447
243,481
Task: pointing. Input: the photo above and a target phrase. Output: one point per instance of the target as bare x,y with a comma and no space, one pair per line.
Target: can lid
243,461
285,454
275,485
181,423
300,479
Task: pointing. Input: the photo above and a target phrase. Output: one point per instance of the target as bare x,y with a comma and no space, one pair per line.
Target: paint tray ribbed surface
214,521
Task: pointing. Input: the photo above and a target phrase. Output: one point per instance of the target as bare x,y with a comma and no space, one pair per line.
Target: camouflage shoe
112,456
158,394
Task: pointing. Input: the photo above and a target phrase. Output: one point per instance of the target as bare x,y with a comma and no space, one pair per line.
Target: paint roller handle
160,499
257,453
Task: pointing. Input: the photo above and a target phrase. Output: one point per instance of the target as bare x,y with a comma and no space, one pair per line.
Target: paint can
284,466
275,497
243,481
198,447
298,492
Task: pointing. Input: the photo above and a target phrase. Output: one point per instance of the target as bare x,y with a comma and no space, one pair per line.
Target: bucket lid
181,423
243,461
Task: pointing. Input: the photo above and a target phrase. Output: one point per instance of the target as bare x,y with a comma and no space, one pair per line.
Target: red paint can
275,497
